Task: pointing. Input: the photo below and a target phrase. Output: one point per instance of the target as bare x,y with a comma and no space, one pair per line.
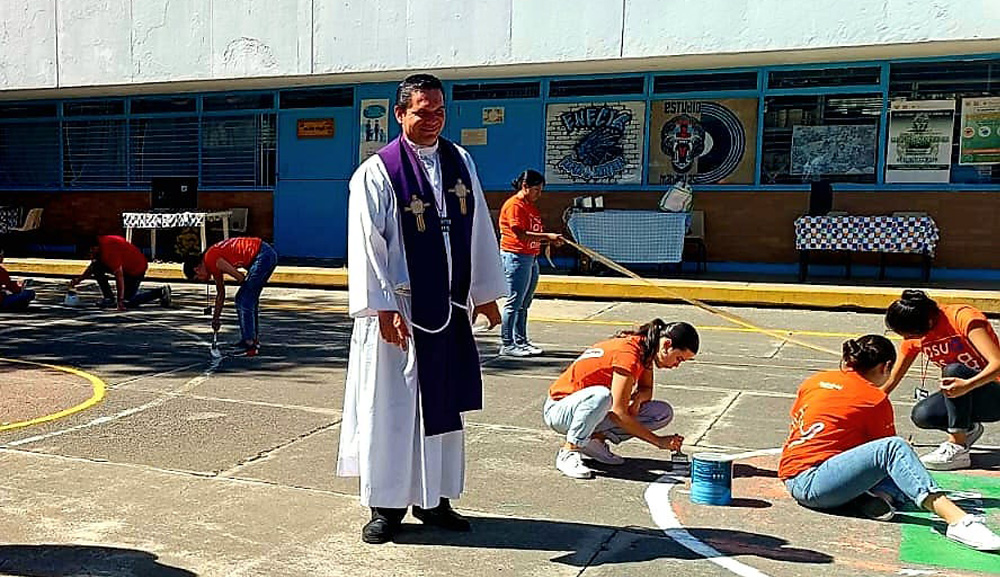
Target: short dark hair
191,263
865,353
913,314
412,83
528,177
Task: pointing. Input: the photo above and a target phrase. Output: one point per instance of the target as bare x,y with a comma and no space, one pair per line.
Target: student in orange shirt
521,238
842,447
607,395
960,340
226,258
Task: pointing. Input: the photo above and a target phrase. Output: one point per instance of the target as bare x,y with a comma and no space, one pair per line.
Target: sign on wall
374,126
594,143
980,131
315,128
833,149
707,141
920,134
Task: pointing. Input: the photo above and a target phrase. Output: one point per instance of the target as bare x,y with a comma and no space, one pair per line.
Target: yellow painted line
97,385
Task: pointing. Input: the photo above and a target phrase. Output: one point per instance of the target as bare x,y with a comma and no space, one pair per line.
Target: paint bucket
71,300
711,479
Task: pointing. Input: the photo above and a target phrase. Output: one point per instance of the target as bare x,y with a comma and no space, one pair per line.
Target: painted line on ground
98,389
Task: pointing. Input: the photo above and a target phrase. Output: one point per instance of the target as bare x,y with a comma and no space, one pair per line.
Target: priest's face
423,119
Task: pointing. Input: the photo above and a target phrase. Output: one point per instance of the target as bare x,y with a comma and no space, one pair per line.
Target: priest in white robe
423,262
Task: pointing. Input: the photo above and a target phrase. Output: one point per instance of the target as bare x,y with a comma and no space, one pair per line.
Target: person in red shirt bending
226,258
114,256
842,448
521,238
960,340
13,296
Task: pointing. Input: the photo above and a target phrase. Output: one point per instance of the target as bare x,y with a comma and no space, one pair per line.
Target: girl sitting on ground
843,449
960,340
607,395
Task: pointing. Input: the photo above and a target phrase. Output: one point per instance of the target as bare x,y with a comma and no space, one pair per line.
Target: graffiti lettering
594,116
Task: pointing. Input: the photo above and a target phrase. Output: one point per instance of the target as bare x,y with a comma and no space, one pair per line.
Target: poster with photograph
834,149
920,134
706,141
493,115
374,126
594,142
980,137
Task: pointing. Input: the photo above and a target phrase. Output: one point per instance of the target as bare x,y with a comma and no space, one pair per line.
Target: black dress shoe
377,531
442,516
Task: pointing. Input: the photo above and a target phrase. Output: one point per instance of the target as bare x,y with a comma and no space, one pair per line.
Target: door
316,155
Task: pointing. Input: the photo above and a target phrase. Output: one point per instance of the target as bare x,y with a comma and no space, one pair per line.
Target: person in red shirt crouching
843,449
226,258
114,256
13,295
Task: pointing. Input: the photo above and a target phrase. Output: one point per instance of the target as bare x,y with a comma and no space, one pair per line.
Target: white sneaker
532,349
514,351
947,457
973,434
972,531
571,465
598,450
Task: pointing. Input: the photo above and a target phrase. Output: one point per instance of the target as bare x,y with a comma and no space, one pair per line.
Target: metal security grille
933,80
29,154
825,77
95,154
162,147
707,82
496,91
238,151
598,87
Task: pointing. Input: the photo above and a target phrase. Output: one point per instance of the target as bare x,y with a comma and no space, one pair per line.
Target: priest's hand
393,328
489,310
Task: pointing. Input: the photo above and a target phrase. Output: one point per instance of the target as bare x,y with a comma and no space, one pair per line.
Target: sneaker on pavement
165,298
947,457
570,464
514,351
973,434
875,506
598,450
532,349
972,531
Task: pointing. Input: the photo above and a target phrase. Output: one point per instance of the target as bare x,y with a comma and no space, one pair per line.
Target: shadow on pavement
73,560
579,540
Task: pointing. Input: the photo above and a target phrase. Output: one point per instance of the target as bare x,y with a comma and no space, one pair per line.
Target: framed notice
316,128
702,141
493,115
594,142
474,137
980,136
920,137
374,126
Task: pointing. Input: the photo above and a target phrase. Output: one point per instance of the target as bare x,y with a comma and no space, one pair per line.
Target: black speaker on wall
174,193
820,198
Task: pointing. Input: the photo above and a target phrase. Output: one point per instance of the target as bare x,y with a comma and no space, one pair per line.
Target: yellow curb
98,388
716,292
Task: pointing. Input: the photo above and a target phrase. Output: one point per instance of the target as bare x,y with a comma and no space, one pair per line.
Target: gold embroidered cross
461,192
417,207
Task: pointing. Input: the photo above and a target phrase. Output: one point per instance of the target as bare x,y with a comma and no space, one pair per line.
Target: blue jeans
981,405
17,301
585,412
888,465
248,297
522,278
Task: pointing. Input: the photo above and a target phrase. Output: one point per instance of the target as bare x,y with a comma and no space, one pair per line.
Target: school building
272,105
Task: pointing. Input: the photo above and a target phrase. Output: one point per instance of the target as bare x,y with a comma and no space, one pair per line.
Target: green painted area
928,546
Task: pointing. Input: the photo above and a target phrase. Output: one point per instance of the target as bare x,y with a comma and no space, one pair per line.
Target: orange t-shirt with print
519,215
948,340
835,411
238,252
596,366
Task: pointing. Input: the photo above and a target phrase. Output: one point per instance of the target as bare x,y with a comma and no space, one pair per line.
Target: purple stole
447,360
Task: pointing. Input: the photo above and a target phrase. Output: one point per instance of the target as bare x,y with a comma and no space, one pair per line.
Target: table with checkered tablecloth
10,217
631,236
879,234
153,220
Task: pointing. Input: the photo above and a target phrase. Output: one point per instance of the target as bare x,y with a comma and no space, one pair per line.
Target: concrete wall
75,43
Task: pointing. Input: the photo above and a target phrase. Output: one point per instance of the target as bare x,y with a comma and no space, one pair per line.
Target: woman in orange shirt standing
842,448
960,340
521,238
607,395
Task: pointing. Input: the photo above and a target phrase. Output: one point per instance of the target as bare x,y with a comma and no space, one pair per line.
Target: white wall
75,43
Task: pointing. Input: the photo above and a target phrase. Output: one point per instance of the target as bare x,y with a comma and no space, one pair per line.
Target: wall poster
834,149
374,126
980,131
707,141
594,142
920,134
